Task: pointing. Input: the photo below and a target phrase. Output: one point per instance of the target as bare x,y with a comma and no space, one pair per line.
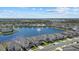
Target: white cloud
34,9
7,13
76,9
49,10
58,10
40,8
61,10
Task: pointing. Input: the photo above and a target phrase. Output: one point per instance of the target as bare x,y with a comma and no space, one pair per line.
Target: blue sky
39,12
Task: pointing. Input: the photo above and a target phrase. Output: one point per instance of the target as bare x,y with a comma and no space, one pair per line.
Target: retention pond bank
29,32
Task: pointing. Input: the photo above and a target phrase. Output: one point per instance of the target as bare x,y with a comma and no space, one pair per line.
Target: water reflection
29,32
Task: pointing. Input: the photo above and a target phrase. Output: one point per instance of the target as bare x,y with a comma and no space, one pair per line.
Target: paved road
52,47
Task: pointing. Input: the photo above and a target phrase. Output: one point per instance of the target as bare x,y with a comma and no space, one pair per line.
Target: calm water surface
29,32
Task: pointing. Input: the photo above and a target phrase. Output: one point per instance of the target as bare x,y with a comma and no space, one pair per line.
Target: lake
29,32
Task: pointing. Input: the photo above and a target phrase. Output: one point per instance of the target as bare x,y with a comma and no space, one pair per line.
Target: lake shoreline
24,42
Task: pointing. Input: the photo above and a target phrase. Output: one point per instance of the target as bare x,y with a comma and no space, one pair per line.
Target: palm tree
14,47
42,42
50,39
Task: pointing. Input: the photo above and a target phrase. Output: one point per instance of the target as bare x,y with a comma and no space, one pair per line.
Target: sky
39,12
